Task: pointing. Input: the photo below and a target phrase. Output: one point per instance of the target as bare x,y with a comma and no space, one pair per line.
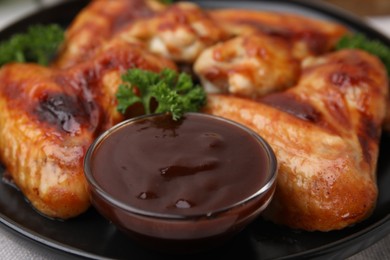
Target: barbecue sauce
192,166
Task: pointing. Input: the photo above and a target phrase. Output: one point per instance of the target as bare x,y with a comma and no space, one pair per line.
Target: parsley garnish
175,93
39,44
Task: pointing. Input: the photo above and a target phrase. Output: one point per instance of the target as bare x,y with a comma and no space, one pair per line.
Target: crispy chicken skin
251,65
180,33
44,132
307,36
97,23
325,133
51,116
265,54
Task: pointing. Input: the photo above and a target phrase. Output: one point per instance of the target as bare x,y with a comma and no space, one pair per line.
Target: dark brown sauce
192,166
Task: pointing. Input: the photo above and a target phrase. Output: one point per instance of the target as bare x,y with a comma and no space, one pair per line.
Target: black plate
92,236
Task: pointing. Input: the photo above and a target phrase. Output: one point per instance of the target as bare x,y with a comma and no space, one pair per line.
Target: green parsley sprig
39,44
174,93
375,47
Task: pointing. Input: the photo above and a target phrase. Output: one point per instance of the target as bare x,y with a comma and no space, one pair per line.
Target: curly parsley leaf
375,47
39,44
174,93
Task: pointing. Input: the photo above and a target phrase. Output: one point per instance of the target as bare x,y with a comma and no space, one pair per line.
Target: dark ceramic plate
92,236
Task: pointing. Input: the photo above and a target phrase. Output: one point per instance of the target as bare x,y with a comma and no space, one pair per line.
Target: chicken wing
180,33
50,117
325,132
251,65
266,53
307,36
99,22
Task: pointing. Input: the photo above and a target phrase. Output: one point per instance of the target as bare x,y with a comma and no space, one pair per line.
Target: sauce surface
191,166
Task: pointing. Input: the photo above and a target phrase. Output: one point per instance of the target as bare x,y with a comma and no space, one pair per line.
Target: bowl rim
94,185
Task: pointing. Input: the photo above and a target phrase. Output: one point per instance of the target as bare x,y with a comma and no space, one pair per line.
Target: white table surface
14,247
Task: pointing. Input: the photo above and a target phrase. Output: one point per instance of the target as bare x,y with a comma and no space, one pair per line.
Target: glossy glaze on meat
306,36
51,116
251,65
97,23
181,32
325,133
264,53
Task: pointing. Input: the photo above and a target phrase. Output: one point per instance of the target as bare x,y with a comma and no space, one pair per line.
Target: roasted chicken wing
99,22
250,65
265,54
180,33
306,36
50,117
325,132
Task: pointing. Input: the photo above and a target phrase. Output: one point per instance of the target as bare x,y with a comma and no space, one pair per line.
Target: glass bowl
180,186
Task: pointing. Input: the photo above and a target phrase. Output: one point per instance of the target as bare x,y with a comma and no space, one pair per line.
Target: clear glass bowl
178,233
